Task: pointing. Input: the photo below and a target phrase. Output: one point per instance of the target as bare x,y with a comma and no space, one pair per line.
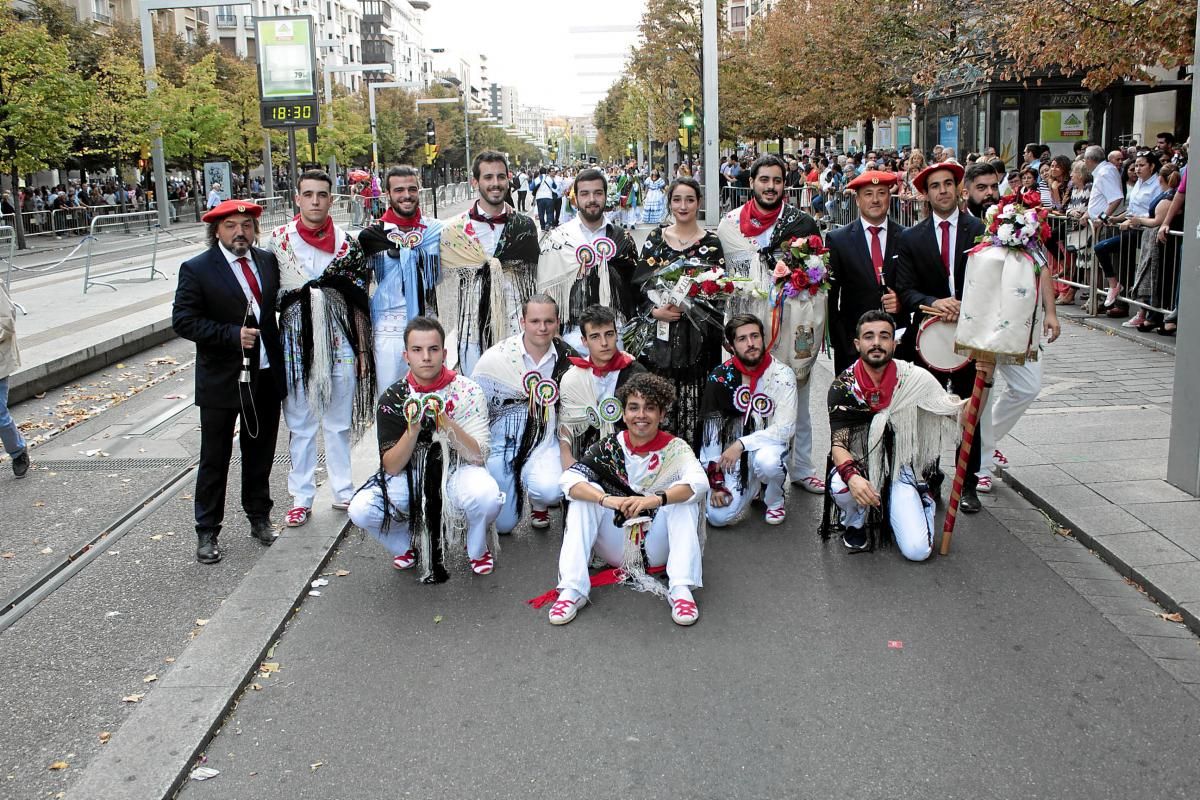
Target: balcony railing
248,23
226,21
103,19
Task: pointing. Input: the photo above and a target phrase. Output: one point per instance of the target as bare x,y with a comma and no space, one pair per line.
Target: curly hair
655,390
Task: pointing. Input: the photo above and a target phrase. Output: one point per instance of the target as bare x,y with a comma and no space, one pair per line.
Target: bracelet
989,385
662,498
847,470
603,497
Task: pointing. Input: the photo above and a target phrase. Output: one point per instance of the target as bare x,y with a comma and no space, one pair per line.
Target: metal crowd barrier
138,222
8,245
68,221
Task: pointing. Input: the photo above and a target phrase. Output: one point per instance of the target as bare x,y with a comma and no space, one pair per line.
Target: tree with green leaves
193,119
243,139
116,114
40,101
346,131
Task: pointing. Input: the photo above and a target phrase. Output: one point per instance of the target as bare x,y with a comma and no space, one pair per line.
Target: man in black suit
862,272
225,303
931,264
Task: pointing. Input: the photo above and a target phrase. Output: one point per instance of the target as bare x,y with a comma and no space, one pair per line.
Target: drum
935,345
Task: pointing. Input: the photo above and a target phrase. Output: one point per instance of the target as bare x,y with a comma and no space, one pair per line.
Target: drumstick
931,311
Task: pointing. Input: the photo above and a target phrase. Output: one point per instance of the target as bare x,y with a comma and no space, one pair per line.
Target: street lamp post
328,71
374,87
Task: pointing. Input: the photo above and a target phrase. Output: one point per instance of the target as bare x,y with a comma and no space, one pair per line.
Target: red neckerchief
402,222
654,445
618,362
322,238
752,374
754,220
440,382
477,215
877,397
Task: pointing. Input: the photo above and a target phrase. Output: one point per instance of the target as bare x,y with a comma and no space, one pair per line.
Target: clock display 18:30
290,114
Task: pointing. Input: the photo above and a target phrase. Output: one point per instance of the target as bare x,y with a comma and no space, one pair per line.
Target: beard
589,217
980,209
764,205
751,362
876,358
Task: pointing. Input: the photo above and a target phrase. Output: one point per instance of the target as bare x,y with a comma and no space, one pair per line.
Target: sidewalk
1092,454
67,333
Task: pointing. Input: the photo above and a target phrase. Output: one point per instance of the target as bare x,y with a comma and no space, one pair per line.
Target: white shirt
1106,187
487,235
866,226
1140,194
543,366
587,234
313,261
546,187
240,276
937,235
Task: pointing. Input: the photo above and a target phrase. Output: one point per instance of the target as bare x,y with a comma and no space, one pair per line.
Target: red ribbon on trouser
605,577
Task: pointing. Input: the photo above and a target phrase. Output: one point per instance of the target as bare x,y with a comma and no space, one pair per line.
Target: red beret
872,177
923,176
233,207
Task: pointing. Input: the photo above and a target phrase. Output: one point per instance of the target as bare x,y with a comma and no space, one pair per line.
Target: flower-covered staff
588,261
325,328
590,408
635,502
683,288
520,378
753,237
1007,305
433,439
888,421
404,249
489,260
749,414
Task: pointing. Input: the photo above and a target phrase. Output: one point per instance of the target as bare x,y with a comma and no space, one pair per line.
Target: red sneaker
405,560
297,516
998,459
539,518
483,565
684,612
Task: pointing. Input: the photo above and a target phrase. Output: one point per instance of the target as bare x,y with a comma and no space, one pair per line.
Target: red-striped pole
964,456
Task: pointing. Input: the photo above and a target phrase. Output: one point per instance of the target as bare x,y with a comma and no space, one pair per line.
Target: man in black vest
225,303
862,269
931,264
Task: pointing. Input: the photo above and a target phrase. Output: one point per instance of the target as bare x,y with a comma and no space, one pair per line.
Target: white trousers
390,365
802,462
767,465
302,424
539,478
911,516
470,488
1022,384
672,540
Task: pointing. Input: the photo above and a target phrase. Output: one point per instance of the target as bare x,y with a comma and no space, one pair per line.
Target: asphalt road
811,674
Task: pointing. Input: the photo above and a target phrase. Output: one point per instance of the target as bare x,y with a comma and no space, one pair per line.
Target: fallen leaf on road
204,773
201,622
120,366
341,573
58,765
156,537
319,582
1175,617
314,593
437,619
256,687
172,397
39,503
47,551
169,660
8,555
315,765
150,679
133,698
113,614
269,666
104,737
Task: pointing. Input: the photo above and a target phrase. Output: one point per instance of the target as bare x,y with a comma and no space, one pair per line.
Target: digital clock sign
290,114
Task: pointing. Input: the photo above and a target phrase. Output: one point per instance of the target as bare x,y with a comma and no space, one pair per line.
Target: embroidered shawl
575,285
583,418
407,266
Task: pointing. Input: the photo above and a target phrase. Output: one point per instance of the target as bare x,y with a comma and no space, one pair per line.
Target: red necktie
946,245
876,253
251,281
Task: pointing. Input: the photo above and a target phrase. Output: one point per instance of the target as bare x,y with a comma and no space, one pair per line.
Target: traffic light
431,154
629,148
688,118
431,147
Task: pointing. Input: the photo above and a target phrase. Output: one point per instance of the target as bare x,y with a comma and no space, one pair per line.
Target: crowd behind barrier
138,222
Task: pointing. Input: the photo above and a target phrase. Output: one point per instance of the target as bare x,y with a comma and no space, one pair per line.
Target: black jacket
854,288
210,309
918,273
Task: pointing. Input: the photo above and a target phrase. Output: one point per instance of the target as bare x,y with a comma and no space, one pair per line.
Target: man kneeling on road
749,412
888,420
635,502
433,433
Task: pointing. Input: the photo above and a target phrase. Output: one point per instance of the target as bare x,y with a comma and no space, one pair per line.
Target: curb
1164,343
26,383
1096,543
152,754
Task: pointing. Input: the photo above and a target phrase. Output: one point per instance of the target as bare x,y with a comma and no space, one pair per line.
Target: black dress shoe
20,463
206,550
934,479
261,530
969,502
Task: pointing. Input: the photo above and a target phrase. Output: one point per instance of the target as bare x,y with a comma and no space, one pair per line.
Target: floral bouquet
697,288
802,269
1019,222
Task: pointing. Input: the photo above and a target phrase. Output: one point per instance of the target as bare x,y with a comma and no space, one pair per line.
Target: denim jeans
13,441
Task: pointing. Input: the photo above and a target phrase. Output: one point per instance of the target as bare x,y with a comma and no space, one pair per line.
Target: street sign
287,75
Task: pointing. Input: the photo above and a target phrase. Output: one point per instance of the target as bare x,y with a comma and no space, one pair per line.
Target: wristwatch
662,498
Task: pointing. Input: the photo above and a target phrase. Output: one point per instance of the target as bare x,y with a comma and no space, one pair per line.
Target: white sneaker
684,611
811,484
984,485
563,611
776,515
